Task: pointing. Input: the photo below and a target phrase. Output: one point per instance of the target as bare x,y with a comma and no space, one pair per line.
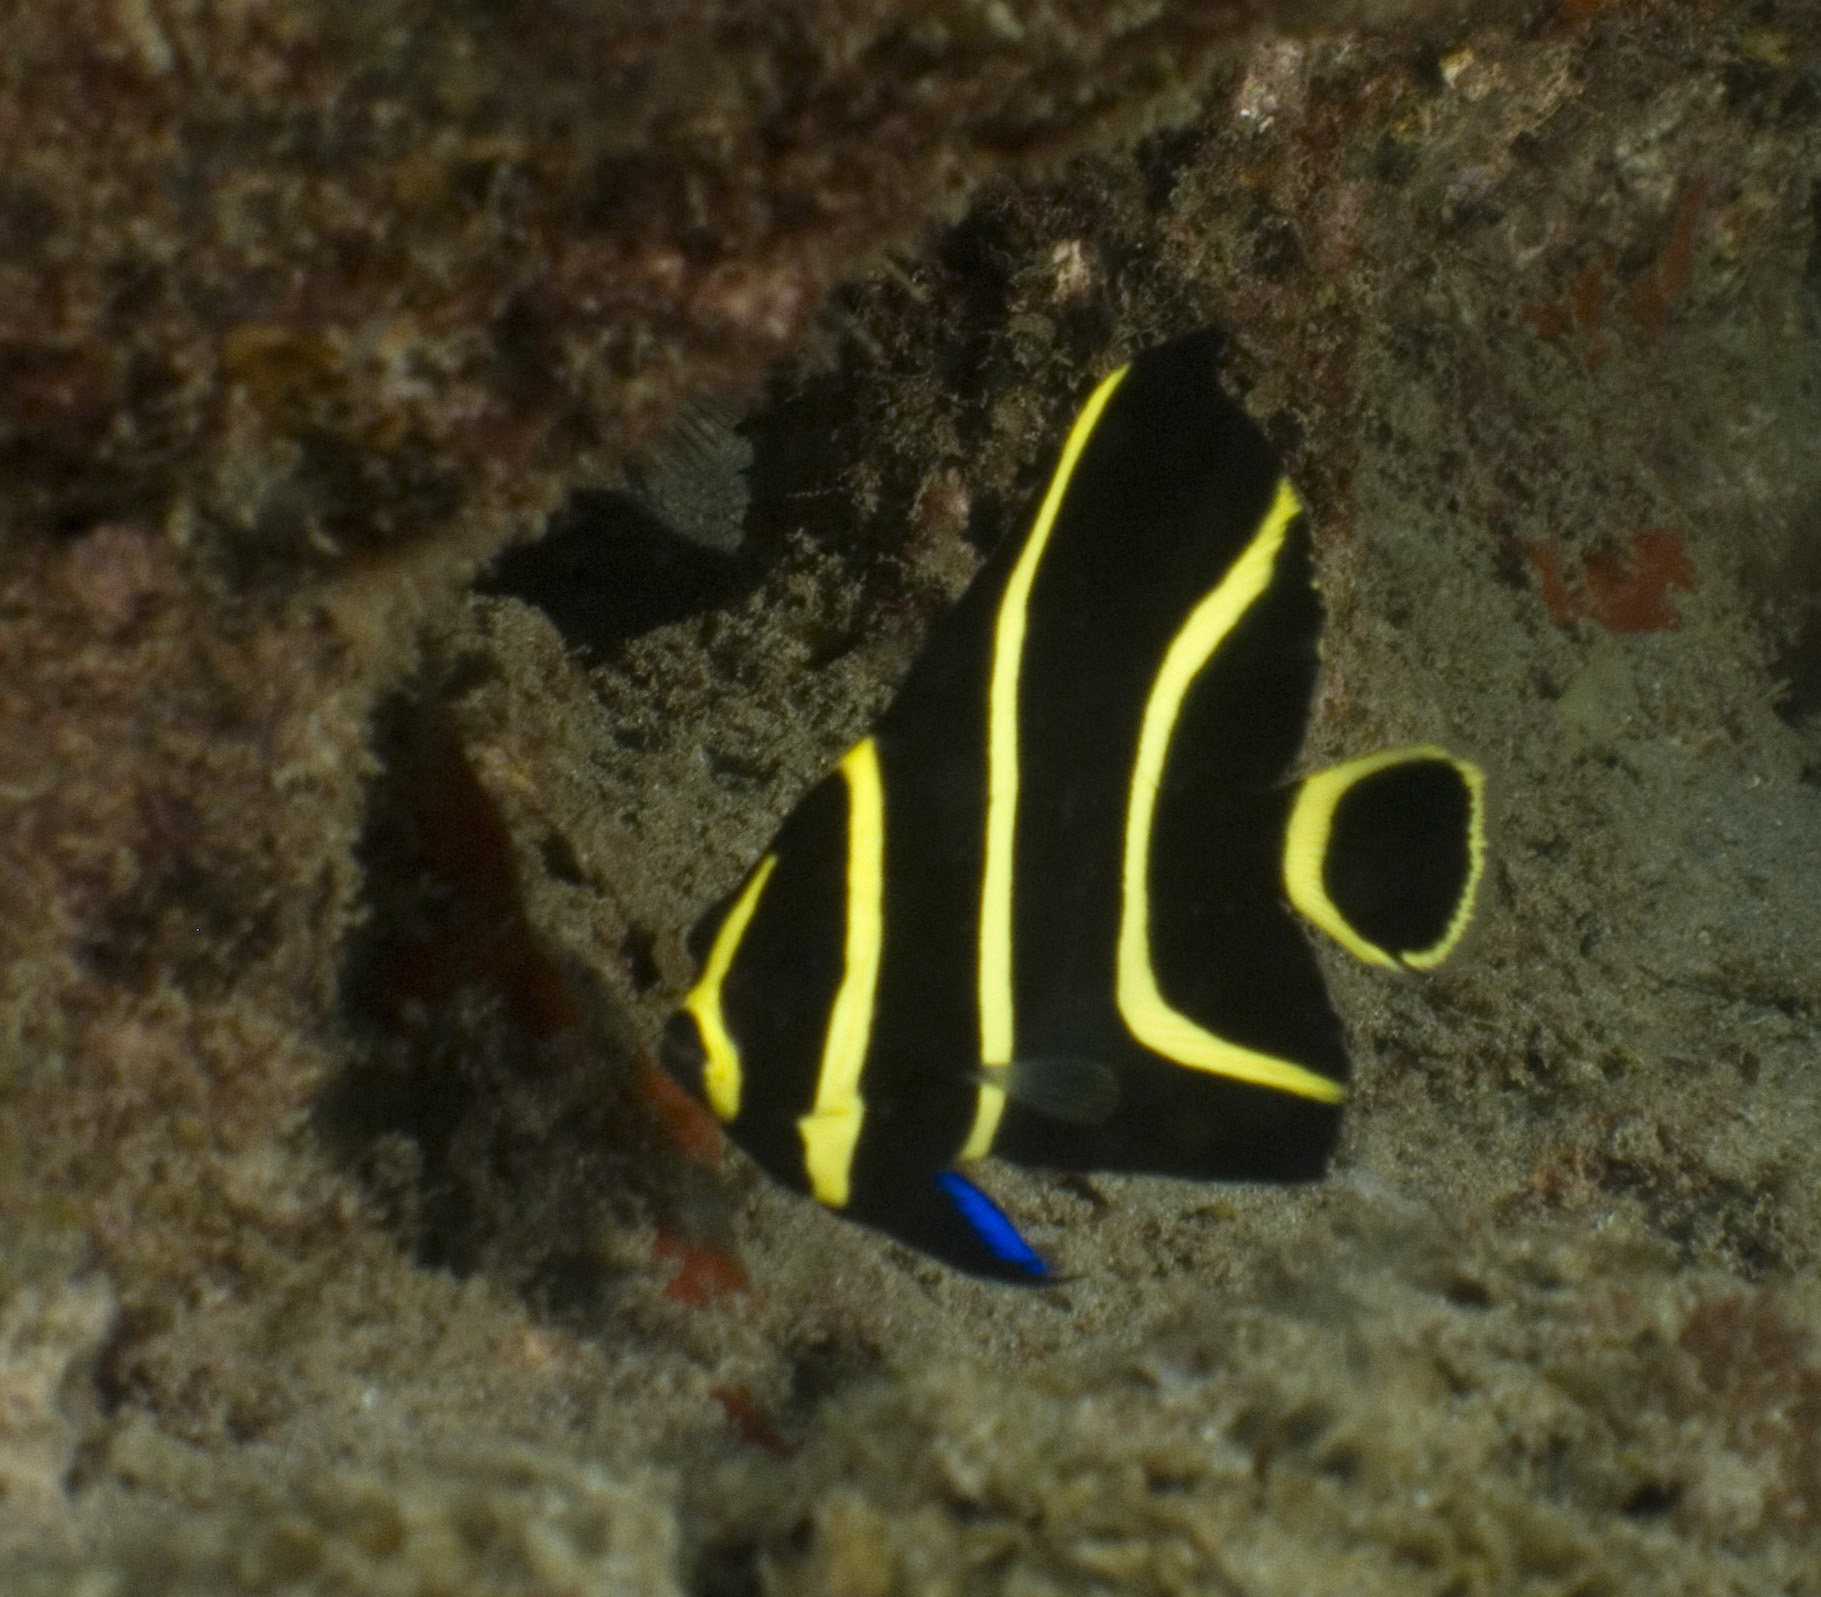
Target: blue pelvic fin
1017,1259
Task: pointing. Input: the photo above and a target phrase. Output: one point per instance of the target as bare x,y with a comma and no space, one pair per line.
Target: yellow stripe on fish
1049,910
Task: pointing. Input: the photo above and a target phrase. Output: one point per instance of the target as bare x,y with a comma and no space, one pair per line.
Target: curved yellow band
1306,852
721,1070
1147,1013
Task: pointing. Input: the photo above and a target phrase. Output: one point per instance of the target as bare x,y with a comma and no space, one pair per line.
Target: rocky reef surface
465,470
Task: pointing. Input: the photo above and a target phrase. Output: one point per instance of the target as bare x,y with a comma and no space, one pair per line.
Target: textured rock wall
346,1246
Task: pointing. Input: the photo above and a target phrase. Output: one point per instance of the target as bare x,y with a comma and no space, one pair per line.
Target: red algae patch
705,1271
694,1131
1623,594
748,1423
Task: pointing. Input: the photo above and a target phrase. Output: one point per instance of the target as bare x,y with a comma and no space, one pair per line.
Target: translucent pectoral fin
1083,1092
1384,853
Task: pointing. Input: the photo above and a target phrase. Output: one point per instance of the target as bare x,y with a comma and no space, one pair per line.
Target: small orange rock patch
704,1271
746,1421
692,1130
1622,593
1576,315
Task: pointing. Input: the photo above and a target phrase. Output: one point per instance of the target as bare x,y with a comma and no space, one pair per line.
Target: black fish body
1045,910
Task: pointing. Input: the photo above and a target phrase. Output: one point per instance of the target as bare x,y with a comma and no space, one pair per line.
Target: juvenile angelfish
1047,911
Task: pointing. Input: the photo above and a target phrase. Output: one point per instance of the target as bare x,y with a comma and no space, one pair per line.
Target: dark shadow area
1797,668
496,1110
609,568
